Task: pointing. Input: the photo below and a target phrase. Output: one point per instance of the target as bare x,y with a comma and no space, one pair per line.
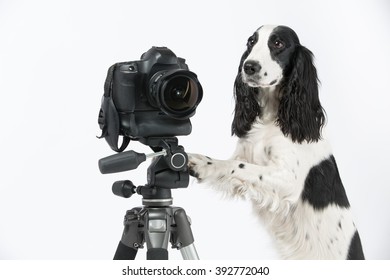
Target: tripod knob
177,159
123,188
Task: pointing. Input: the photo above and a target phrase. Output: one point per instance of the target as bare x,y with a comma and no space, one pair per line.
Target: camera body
155,96
152,97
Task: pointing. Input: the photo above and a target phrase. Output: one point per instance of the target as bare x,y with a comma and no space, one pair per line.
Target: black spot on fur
209,158
209,163
340,225
232,171
355,248
241,165
261,177
268,151
295,230
193,173
323,186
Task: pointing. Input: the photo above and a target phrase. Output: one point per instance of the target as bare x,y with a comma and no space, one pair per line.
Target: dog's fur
282,162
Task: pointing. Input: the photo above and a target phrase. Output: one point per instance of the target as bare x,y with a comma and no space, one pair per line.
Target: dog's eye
251,41
278,44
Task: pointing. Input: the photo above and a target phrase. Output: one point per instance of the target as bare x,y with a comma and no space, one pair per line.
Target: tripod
156,222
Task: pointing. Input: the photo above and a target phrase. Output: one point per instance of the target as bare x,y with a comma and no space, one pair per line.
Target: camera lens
177,93
180,93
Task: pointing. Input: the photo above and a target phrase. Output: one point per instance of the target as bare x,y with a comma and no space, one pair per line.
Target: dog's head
276,61
269,53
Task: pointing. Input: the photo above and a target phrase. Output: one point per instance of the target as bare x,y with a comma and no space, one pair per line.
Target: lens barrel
176,92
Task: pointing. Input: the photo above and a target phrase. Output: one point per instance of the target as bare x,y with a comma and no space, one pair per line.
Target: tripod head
167,171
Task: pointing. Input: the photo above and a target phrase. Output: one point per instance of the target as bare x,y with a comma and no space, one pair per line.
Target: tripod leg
132,237
183,238
157,233
157,254
124,252
189,252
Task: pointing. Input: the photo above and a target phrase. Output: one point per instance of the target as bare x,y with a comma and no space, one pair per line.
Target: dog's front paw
200,166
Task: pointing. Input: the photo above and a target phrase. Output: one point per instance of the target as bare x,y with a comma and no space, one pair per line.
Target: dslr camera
151,101
152,97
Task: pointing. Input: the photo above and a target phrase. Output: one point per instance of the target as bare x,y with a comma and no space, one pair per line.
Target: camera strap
108,118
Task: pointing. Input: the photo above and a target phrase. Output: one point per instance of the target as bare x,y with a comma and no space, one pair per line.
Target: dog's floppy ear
247,108
300,114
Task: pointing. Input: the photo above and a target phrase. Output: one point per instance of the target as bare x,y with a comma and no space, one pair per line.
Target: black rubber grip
121,162
124,252
157,254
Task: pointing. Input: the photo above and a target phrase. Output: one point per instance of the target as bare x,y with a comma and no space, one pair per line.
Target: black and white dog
283,164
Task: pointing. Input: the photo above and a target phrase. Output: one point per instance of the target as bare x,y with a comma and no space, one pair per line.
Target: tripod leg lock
182,235
132,235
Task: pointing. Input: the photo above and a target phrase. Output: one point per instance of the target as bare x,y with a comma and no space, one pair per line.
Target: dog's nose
251,67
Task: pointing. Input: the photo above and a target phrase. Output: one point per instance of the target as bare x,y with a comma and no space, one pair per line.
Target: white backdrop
54,55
